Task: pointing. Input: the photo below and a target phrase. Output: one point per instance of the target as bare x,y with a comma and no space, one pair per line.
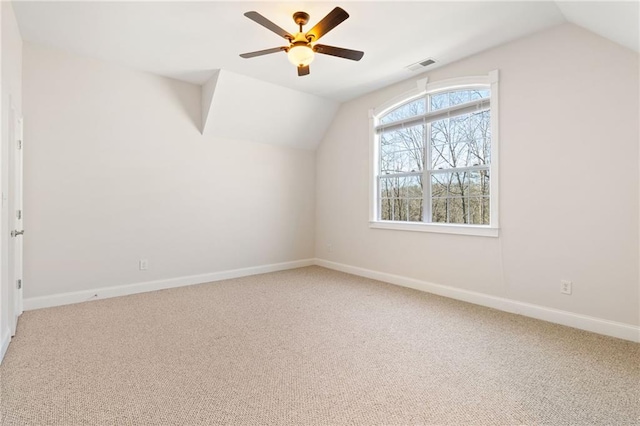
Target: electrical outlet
330,248
565,286
144,264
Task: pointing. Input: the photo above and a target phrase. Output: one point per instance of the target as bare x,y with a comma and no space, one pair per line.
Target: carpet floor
309,346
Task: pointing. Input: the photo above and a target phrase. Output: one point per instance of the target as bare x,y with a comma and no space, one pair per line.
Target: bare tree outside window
448,152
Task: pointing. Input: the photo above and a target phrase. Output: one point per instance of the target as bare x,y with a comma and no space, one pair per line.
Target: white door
15,219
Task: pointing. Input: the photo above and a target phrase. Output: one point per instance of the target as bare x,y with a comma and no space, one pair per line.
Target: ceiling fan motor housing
300,39
301,18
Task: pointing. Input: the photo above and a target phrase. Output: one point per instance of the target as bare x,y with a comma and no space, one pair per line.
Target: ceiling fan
302,46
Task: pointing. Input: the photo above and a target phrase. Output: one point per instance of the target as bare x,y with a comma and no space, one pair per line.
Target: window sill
440,228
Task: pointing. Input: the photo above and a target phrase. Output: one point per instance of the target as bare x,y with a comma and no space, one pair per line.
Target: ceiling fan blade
262,52
329,22
303,71
256,17
354,55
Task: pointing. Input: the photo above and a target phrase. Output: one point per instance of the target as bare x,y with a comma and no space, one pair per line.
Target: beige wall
568,182
117,170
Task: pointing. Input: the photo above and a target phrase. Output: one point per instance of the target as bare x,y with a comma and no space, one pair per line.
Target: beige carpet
309,346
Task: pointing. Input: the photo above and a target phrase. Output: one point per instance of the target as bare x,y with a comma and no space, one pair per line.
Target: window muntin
434,167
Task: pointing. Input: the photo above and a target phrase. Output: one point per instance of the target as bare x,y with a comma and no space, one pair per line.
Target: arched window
435,161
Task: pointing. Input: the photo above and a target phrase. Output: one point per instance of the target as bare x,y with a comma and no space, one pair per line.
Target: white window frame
425,88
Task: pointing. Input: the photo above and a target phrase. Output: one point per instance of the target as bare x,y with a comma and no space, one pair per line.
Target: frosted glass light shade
300,55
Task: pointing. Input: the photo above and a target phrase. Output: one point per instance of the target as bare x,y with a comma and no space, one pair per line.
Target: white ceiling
190,40
279,116
617,21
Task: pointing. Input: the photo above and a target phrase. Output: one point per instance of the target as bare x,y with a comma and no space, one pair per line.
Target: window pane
461,141
463,210
450,184
415,209
459,184
439,210
439,184
479,135
479,210
385,209
449,99
457,209
398,209
401,161
408,110
401,187
414,186
401,198
486,210
402,150
460,197
479,183
451,156
392,212
387,188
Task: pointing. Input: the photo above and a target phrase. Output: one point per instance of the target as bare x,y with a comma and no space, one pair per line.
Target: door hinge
19,143
19,214
19,284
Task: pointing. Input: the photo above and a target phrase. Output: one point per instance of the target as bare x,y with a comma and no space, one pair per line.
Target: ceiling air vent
421,65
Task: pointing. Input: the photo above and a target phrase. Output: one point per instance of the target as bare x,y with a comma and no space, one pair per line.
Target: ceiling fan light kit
300,56
301,51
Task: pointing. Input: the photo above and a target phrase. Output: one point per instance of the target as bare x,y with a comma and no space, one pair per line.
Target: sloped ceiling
242,107
199,42
617,21
189,40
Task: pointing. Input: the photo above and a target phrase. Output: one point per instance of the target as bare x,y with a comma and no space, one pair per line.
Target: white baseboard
124,290
4,344
583,322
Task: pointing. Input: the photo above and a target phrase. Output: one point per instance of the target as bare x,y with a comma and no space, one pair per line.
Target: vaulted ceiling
189,40
194,41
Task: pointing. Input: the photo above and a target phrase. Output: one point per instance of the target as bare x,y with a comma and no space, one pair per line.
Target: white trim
124,290
373,168
494,200
440,228
460,83
4,344
422,84
570,319
493,76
